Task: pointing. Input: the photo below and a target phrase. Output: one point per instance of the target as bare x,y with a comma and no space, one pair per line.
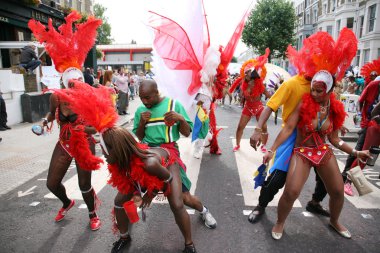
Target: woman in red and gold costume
318,115
252,75
68,50
137,171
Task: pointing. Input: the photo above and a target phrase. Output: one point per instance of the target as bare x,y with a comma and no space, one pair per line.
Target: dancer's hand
146,200
344,130
255,139
267,157
363,155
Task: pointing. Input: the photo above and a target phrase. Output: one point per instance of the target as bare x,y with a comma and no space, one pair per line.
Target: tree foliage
270,24
104,31
234,59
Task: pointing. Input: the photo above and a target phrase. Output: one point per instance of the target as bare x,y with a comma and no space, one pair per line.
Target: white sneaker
209,220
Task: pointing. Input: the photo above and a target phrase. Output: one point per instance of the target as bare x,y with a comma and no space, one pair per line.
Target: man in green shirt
158,123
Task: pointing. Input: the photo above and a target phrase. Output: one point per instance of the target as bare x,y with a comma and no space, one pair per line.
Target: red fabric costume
319,153
253,106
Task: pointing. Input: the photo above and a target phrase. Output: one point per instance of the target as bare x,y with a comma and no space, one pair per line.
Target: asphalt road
27,212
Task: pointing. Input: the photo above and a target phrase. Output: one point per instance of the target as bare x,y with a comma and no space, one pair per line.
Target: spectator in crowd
29,60
3,114
121,82
352,86
88,78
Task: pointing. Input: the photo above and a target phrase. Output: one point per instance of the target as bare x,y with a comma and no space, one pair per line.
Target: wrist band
270,151
354,152
45,120
169,179
258,129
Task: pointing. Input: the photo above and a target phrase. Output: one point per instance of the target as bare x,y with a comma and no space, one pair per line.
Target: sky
126,18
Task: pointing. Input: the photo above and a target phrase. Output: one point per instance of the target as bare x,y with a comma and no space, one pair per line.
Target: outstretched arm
284,134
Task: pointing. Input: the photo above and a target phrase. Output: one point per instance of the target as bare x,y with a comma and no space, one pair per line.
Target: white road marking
307,214
98,181
367,216
82,206
27,192
248,160
35,203
42,179
247,212
224,127
368,201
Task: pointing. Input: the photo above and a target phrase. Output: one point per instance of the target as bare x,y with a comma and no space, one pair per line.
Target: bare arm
288,129
184,127
50,116
255,139
144,118
267,94
284,134
338,143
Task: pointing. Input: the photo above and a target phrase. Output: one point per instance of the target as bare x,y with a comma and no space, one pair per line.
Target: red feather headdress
258,64
370,67
321,52
67,48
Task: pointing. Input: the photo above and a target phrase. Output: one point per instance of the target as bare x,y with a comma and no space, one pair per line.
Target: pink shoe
236,148
95,223
263,149
348,189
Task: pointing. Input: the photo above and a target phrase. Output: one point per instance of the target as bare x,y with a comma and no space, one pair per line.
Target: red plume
94,105
368,68
67,48
321,52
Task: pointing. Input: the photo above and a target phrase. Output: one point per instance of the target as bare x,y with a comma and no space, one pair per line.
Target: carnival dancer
318,115
370,71
252,75
159,123
68,50
137,171
318,50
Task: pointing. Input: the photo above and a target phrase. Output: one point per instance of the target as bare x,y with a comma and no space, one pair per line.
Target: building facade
133,57
333,15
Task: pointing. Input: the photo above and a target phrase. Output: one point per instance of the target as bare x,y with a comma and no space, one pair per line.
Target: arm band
340,144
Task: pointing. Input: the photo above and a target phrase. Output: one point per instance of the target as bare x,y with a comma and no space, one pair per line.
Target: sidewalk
24,155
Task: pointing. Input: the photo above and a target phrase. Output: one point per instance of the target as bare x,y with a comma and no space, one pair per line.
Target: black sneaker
189,249
120,245
317,209
256,214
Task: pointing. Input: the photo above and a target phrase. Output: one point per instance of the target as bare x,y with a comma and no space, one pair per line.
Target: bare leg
60,162
192,201
297,175
120,215
88,193
242,124
332,179
176,202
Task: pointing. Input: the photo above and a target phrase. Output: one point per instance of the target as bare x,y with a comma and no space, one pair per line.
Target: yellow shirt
289,95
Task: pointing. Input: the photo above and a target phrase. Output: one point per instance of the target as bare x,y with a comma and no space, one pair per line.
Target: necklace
324,108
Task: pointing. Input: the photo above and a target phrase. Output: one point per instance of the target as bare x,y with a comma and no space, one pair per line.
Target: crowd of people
143,167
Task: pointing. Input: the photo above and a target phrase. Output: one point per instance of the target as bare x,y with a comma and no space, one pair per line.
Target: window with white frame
372,17
329,29
357,58
361,25
79,5
337,27
350,23
366,56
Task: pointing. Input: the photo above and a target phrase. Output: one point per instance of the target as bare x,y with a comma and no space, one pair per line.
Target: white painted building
333,15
